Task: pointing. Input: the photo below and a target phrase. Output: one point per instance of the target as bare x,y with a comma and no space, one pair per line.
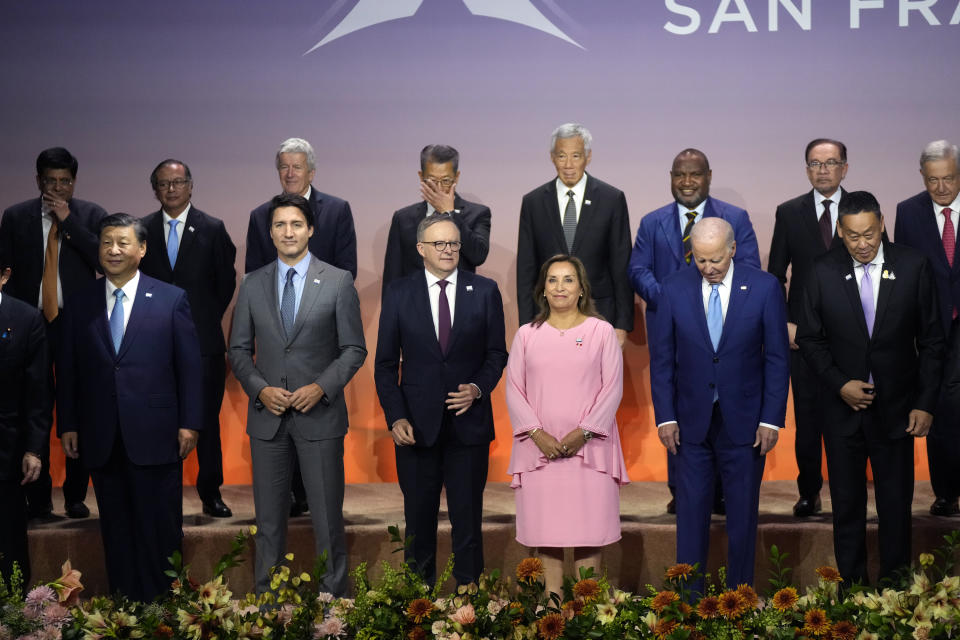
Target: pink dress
560,380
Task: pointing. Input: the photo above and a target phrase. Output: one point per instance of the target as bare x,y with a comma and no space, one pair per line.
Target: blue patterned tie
116,320
173,243
715,316
287,302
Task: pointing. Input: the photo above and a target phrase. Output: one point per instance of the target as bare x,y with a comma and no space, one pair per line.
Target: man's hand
440,200
188,440
854,393
766,439
31,467
547,444
919,422
275,399
402,433
621,336
58,207
792,333
572,442
461,399
306,397
69,442
669,435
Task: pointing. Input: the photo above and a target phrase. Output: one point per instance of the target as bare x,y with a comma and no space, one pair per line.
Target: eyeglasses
441,246
52,182
830,164
179,183
446,183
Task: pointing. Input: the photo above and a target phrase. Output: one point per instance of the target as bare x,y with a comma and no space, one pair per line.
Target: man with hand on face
51,243
719,374
928,222
192,250
129,405
439,175
448,326
301,317
663,246
576,214
870,328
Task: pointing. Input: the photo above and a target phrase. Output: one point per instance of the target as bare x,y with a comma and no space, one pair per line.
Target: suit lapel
188,235
311,293
696,303
739,290
810,220
139,311
156,239
552,210
670,227
463,308
421,303
272,297
102,317
888,280
584,223
848,281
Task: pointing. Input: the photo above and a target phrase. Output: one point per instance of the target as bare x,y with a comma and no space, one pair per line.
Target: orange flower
588,589
681,570
664,628
419,610
685,609
663,600
573,608
750,598
163,631
530,570
709,607
731,604
68,585
816,622
551,626
417,633
785,599
829,574
844,630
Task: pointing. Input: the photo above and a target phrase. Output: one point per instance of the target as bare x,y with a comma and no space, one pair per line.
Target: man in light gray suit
301,317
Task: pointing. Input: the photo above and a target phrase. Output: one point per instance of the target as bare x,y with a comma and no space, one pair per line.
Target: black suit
602,242
402,258
905,356
24,420
22,241
204,269
917,227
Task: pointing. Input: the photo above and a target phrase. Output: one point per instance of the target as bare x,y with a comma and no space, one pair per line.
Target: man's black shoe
77,510
297,507
672,507
944,507
720,506
216,508
806,507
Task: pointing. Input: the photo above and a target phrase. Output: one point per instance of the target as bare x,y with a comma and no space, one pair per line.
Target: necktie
287,303
949,241
687,245
714,316
570,221
48,283
173,243
116,320
866,297
826,226
443,319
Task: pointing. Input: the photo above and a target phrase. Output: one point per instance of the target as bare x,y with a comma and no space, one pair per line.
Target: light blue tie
173,243
287,302
715,316
116,320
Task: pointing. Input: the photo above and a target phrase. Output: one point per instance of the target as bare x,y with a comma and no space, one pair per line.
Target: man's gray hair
298,145
712,227
429,221
939,150
571,130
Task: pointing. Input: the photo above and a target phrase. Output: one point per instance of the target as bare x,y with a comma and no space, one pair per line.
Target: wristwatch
587,435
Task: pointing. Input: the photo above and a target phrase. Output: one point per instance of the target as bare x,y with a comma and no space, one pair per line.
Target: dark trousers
141,522
461,469
943,441
209,455
13,530
740,468
892,464
808,417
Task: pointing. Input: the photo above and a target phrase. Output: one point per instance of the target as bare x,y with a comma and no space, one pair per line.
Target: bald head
711,229
713,246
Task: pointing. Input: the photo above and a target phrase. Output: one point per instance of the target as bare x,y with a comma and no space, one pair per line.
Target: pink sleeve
522,415
601,417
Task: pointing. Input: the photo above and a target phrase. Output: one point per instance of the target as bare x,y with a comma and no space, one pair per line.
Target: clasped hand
553,448
277,400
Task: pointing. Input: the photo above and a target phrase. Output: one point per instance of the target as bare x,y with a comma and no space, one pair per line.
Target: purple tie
826,224
866,301
443,321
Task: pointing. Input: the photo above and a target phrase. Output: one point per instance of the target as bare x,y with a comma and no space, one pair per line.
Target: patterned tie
715,316
570,221
949,241
287,302
866,297
48,282
826,226
173,243
443,319
687,245
116,320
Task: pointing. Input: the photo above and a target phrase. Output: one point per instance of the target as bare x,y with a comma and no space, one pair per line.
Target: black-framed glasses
179,183
830,164
441,245
52,182
446,183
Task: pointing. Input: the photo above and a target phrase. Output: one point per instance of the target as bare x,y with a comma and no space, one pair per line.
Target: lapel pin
316,281
148,295
587,202
849,275
469,287
743,287
888,275
191,229
579,342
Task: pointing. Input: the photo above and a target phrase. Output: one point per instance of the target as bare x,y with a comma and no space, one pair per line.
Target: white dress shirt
578,189
818,199
954,214
129,295
182,219
724,290
433,292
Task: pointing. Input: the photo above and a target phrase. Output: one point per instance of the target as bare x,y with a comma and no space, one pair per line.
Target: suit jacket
905,352
204,269
326,347
476,353
749,370
402,258
334,239
21,236
25,405
602,242
916,227
146,392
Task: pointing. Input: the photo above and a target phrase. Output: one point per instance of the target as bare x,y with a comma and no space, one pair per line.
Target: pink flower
68,586
331,626
464,615
41,594
56,614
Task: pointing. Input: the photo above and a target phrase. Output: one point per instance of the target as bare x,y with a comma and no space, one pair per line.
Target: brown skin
432,188
56,191
690,179
174,201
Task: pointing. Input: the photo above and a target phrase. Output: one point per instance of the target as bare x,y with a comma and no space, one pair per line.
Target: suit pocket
162,400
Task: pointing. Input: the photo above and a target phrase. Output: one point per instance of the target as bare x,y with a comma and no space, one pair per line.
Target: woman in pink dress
564,383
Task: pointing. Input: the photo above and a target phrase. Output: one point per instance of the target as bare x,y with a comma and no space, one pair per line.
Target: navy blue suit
126,409
749,373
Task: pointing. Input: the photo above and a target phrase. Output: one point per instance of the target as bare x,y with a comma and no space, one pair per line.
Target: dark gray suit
326,347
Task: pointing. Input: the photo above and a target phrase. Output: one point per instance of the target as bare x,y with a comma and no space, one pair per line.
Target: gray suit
326,347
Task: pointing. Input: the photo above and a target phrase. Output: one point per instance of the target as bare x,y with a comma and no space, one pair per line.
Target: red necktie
826,224
443,319
949,241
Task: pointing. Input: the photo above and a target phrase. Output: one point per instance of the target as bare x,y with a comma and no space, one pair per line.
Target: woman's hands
553,448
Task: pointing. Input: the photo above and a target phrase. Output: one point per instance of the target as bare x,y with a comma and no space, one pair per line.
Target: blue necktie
116,320
173,243
287,302
715,316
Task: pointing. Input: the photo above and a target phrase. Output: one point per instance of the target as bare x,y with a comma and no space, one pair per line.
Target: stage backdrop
219,84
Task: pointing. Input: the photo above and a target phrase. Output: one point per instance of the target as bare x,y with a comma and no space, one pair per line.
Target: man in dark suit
129,405
578,215
51,242
447,324
334,240
719,375
663,247
192,250
928,222
24,419
439,174
301,318
870,329
805,229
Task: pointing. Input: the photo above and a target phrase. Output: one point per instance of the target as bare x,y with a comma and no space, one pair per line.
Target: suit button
716,359
287,350
116,368
712,386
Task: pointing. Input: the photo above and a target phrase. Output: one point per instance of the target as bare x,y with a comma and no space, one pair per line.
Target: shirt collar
700,208
300,268
578,189
432,279
129,289
877,259
954,206
818,198
727,281
181,218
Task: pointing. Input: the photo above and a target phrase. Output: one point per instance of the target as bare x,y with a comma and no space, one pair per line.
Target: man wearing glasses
52,245
439,174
